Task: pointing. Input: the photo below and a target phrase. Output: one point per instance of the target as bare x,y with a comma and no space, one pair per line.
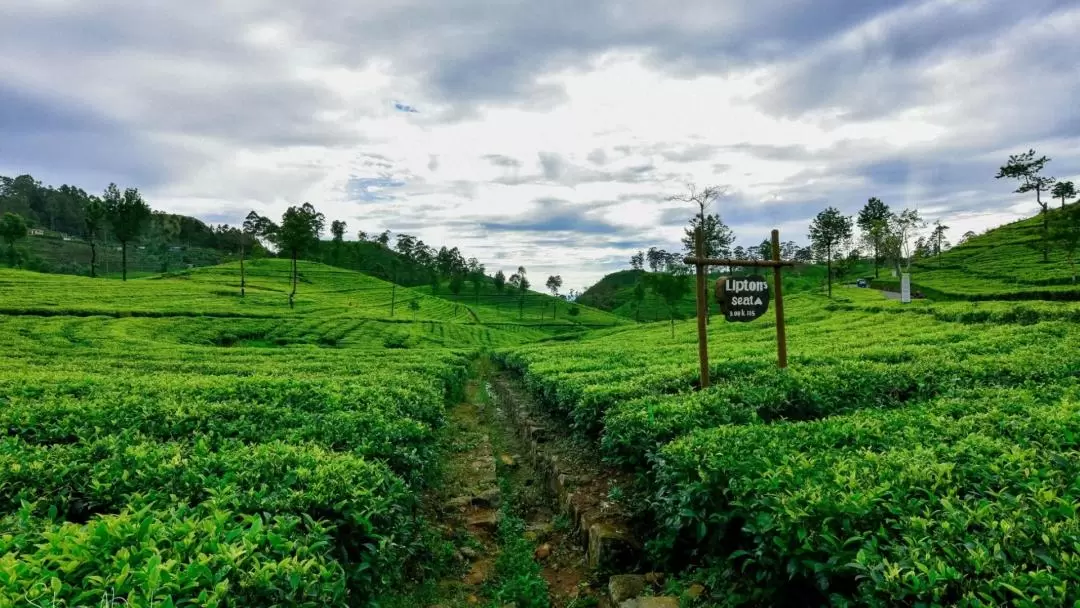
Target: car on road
862,283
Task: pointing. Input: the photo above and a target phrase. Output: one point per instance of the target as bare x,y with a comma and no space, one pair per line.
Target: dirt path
493,506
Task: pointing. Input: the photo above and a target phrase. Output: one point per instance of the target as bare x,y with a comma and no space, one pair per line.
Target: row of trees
126,213
123,217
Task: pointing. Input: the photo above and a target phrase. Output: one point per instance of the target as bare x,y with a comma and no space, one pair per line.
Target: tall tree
765,249
1065,232
897,243
656,258
788,249
254,226
94,217
873,221
337,241
718,237
12,229
500,282
554,283
828,232
298,234
938,244
523,288
639,297
476,277
337,230
672,287
164,228
1064,191
127,214
637,261
1026,169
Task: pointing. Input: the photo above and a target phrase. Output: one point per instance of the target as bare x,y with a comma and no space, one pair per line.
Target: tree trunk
93,259
876,256
393,297
828,268
243,278
292,295
123,259
672,324
1046,224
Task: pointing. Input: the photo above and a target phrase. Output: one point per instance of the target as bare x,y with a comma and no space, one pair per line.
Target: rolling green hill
615,292
1005,263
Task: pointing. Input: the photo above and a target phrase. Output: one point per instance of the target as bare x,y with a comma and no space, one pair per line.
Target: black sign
743,298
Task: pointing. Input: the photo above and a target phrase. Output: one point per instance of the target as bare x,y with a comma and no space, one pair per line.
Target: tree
829,230
127,214
788,249
500,282
1025,168
897,242
699,225
873,221
938,244
639,297
298,234
164,228
718,237
383,238
970,234
337,229
765,249
414,306
739,253
94,219
1065,232
457,281
554,283
12,229
476,277
405,245
254,226
656,258
1064,191
672,287
637,261
522,283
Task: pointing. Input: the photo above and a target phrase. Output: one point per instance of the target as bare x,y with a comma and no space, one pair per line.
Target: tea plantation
168,443
909,456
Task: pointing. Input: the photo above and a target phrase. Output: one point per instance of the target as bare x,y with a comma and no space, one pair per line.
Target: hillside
1004,263
615,292
338,306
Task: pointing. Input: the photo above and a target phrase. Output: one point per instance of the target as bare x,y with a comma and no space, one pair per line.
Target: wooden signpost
742,298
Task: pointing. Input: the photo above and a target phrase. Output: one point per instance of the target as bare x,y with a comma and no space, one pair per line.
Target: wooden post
702,309
781,331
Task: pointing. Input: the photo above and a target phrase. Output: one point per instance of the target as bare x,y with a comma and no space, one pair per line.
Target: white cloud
249,107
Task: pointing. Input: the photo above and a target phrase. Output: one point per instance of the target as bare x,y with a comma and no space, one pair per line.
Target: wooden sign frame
701,263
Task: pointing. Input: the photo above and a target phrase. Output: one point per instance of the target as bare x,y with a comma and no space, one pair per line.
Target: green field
900,460
1005,263
170,443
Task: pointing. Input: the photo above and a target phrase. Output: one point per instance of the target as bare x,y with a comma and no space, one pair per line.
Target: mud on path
488,478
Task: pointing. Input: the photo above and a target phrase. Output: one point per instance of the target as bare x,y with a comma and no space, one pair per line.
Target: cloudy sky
547,134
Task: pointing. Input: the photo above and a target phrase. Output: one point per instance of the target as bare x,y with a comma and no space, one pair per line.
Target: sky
544,134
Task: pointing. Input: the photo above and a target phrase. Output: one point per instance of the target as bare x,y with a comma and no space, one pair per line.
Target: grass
1005,263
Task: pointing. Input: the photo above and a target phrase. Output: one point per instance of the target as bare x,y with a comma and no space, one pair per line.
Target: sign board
743,298
905,288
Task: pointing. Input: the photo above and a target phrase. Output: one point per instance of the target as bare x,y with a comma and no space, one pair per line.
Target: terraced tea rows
901,458
239,459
